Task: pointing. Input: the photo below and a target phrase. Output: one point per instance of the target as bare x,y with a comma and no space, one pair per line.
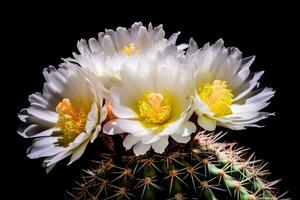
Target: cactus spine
203,169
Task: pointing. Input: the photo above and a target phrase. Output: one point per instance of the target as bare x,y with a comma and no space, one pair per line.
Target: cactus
203,169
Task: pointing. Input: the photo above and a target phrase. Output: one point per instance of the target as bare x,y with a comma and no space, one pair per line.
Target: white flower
64,118
106,56
152,103
223,88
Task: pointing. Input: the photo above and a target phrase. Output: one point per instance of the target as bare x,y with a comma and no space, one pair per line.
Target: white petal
92,118
133,127
150,139
229,66
38,99
34,130
186,129
49,168
123,111
245,88
141,149
44,147
49,151
200,106
160,145
129,141
242,74
95,133
207,123
79,139
56,158
43,114
103,113
77,153
181,139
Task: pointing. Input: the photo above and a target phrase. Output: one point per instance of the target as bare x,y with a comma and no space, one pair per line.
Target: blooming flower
223,88
152,103
65,117
106,56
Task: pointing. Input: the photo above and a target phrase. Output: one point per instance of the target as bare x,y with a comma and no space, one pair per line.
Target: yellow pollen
70,121
129,49
217,96
154,108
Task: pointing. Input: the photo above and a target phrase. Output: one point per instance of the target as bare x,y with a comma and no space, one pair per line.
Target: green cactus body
204,169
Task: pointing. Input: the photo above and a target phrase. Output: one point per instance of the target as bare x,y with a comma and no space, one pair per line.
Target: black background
40,35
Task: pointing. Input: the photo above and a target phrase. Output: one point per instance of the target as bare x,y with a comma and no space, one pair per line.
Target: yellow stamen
154,108
217,96
129,49
70,121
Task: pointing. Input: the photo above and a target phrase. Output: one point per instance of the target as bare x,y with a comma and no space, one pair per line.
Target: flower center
70,121
217,96
154,108
129,49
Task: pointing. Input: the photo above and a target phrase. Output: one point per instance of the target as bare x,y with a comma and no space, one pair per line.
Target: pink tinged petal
173,38
92,119
134,30
158,33
207,123
181,47
94,45
111,128
142,38
193,47
123,36
83,47
23,115
108,45
160,145
141,149
77,153
129,141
